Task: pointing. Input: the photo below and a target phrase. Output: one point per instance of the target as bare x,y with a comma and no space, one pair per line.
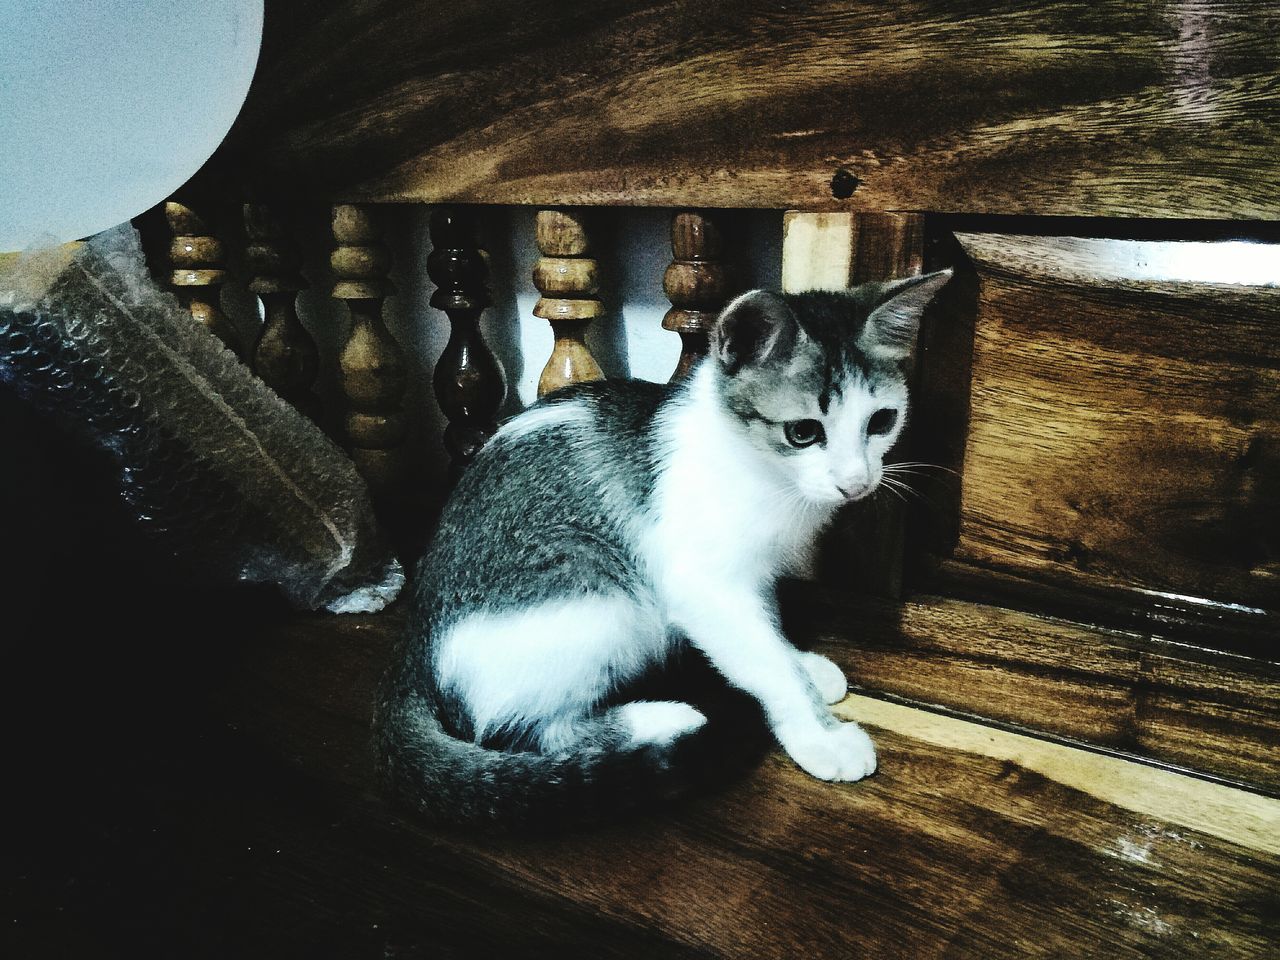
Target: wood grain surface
700,279
1108,108
469,382
967,843
198,261
1128,691
213,799
1124,428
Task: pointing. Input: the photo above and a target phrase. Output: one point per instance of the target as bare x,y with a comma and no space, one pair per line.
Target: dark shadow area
146,824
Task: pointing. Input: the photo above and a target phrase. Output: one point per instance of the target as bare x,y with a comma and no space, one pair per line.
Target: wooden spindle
469,382
568,281
196,259
698,283
284,355
371,366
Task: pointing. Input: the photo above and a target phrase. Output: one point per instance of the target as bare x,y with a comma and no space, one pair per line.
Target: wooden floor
262,837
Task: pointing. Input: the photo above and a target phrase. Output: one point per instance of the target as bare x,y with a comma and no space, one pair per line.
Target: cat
614,523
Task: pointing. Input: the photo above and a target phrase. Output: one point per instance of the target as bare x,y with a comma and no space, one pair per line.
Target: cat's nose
854,491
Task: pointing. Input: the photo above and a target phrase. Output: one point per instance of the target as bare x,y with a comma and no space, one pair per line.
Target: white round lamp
108,106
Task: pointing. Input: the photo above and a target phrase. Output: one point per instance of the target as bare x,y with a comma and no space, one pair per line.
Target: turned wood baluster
196,259
697,282
568,280
469,383
284,355
371,365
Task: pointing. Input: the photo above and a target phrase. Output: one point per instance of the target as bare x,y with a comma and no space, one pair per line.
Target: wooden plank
1135,693
967,842
1234,815
1124,430
1101,109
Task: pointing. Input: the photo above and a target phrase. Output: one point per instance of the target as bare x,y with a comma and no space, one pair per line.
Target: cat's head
818,379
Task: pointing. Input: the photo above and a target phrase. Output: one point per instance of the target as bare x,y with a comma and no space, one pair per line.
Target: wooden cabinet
1124,428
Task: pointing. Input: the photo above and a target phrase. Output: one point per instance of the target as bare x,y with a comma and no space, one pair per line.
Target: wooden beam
1097,109
285,354
469,382
698,282
568,282
372,372
199,271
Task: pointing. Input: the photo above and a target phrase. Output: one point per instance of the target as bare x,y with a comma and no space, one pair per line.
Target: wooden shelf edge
1201,711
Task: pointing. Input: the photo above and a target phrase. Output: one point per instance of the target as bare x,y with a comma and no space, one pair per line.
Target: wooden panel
1124,429
1100,108
968,842
372,372
1202,710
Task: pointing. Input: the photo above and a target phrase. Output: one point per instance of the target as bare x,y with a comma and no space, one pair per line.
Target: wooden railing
469,383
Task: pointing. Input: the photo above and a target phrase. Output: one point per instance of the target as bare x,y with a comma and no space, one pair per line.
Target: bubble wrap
226,473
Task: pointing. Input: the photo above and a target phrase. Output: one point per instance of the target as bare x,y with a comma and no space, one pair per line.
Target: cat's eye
881,422
803,433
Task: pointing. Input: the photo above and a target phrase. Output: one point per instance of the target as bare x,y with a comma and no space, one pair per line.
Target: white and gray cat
613,523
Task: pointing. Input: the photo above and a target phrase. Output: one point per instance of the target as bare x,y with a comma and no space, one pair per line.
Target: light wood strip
1230,814
817,251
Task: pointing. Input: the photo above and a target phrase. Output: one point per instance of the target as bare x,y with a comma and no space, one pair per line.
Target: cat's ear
891,328
754,328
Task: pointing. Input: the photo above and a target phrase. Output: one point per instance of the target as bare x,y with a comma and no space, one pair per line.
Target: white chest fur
721,509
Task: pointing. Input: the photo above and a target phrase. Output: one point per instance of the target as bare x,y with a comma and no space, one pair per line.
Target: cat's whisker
899,495
916,466
893,483
905,489
889,488
899,479
924,500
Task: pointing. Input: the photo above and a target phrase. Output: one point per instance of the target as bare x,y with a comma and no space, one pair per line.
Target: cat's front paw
833,753
826,676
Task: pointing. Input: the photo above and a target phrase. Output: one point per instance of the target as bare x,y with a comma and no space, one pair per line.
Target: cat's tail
605,775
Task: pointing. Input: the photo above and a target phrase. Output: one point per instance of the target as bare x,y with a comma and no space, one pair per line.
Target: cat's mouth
834,495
